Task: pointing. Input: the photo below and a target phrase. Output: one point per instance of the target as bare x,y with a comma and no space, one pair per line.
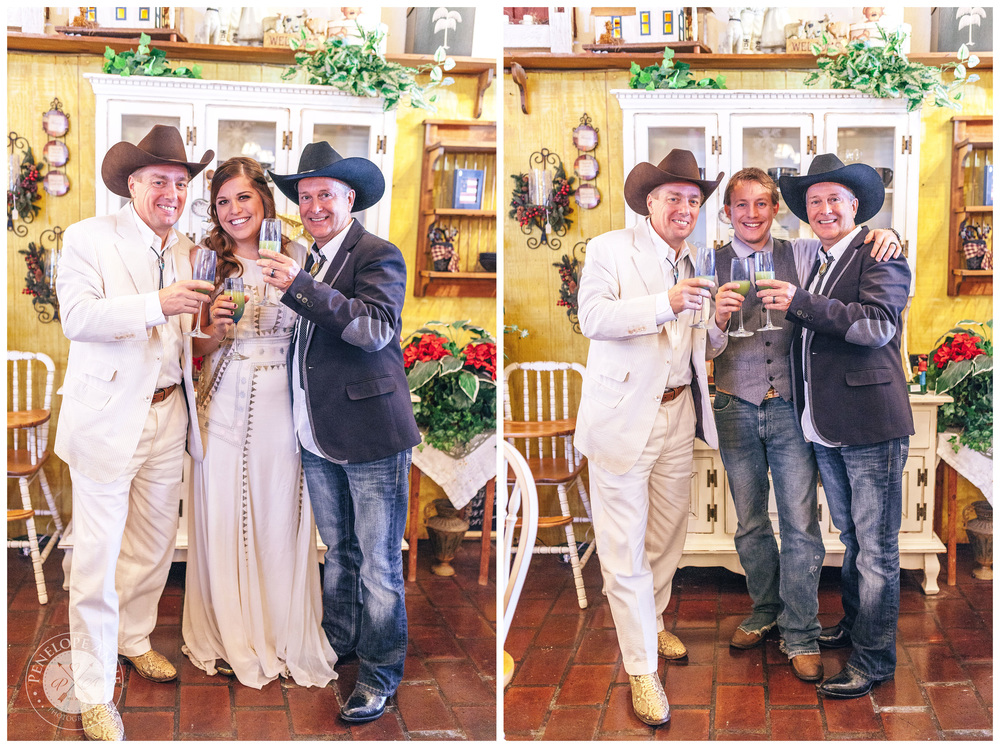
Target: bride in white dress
252,603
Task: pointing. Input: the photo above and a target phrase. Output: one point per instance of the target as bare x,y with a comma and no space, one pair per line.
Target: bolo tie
160,262
673,267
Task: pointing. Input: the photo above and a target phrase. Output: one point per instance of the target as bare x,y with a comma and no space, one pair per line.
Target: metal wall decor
55,122
569,274
541,199
586,166
22,185
40,279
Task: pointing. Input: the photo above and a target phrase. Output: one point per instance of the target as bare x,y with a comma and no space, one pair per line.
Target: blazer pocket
865,377
90,393
371,388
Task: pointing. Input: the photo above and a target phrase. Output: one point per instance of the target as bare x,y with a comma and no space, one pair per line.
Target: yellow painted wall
35,79
556,100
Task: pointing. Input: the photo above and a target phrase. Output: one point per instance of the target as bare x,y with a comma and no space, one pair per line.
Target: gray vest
748,367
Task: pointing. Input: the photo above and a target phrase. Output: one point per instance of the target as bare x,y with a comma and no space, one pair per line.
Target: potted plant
361,69
885,71
962,366
453,384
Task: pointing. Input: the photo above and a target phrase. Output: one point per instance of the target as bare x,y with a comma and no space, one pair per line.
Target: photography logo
61,668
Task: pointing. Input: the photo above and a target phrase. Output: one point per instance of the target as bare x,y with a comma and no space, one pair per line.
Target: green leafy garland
534,215
361,69
145,61
670,74
887,73
21,200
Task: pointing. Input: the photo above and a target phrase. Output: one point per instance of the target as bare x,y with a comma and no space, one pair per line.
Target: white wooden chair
522,497
27,452
553,460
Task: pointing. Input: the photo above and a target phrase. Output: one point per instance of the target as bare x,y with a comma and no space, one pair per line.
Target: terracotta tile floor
448,690
569,683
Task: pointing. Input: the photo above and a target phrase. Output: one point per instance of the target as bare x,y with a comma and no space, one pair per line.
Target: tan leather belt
163,393
672,394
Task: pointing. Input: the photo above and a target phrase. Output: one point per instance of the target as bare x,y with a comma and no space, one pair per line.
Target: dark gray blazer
352,370
853,368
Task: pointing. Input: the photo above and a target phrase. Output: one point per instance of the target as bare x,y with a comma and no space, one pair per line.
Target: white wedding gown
252,593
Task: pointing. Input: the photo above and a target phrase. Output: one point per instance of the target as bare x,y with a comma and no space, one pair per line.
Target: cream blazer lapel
647,262
131,248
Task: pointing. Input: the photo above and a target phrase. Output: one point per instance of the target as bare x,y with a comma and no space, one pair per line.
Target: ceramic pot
980,532
445,530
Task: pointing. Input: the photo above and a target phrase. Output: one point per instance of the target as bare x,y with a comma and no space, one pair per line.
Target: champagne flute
204,270
234,290
742,270
764,266
270,239
704,267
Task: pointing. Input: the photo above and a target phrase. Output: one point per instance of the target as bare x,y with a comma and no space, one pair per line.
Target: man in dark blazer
352,412
850,390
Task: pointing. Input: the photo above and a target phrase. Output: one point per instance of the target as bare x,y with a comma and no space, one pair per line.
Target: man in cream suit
645,398
125,299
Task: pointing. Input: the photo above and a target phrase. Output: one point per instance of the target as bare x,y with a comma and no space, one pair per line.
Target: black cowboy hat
678,166
161,145
320,160
861,179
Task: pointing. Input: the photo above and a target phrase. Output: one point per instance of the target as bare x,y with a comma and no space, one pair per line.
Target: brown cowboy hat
678,166
162,145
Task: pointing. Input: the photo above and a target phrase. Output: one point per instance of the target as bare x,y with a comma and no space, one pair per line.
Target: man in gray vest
759,428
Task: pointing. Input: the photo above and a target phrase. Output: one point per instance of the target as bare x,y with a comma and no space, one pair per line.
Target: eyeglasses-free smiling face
240,210
831,208
673,211
158,194
325,207
751,212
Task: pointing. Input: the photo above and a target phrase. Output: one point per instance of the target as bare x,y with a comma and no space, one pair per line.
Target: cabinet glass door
695,133
357,134
777,145
876,145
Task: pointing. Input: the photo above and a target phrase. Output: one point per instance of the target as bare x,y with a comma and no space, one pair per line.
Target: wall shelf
450,145
970,133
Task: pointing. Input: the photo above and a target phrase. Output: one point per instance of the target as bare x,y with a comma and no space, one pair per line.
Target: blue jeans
784,588
360,510
864,490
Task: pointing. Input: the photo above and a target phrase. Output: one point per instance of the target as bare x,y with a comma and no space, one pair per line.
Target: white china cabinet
730,130
270,122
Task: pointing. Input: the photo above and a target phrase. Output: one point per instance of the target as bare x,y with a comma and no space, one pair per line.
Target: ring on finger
272,272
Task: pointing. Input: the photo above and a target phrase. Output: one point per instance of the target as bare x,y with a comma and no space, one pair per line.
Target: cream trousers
640,521
124,534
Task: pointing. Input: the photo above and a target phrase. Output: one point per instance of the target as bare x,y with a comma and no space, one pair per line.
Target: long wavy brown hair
217,239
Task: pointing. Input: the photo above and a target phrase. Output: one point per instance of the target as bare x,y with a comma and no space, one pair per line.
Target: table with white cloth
975,467
461,478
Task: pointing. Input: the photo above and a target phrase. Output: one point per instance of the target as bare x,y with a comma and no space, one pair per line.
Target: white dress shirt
817,287
300,409
169,328
677,329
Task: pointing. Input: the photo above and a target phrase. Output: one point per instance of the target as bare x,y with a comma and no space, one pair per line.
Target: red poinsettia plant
453,385
962,366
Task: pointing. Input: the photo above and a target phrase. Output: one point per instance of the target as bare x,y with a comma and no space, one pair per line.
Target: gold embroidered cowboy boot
102,722
649,702
669,646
